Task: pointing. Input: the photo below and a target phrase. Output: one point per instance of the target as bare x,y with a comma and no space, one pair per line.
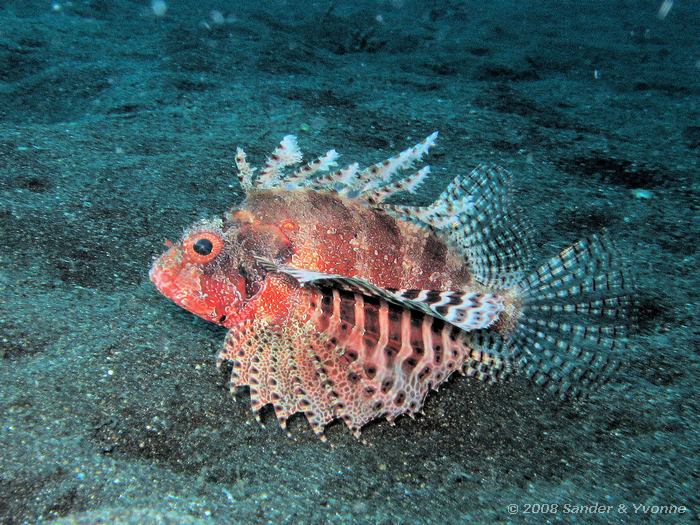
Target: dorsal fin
381,173
465,310
329,181
300,177
245,172
286,154
476,216
410,184
373,184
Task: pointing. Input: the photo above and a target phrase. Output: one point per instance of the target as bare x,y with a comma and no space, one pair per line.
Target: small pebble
642,194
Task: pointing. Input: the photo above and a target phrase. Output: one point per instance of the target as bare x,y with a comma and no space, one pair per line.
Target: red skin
310,230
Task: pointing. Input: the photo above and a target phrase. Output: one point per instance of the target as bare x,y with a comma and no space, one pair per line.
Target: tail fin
575,315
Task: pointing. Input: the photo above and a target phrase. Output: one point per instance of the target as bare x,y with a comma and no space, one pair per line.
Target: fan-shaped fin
465,310
475,215
577,311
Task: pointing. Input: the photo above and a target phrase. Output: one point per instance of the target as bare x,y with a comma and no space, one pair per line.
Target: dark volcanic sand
117,130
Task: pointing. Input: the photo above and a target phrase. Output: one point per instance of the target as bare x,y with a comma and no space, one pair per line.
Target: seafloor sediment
118,129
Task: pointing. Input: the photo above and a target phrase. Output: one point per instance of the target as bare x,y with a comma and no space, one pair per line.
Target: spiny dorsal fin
245,172
373,184
286,154
476,216
409,184
329,181
381,173
465,310
303,174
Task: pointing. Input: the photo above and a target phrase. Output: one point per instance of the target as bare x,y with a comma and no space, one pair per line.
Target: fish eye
203,246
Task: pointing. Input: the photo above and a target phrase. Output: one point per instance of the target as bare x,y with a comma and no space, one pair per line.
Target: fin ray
570,341
286,154
465,310
245,172
409,184
302,176
381,173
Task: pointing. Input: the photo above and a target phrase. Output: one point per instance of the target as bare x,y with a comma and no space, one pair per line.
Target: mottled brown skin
346,237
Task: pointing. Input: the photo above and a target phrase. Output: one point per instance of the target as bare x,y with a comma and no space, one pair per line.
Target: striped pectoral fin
238,347
250,361
353,357
282,366
465,310
381,359
339,348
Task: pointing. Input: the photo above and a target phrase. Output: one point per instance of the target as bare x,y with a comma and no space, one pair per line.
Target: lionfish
341,305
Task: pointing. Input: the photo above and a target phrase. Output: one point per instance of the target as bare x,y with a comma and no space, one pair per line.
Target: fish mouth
166,285
154,276
182,297
158,278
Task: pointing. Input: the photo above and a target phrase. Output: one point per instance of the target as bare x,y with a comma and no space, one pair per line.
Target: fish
341,304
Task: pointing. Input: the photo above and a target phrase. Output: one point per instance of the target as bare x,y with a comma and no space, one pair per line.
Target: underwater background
119,121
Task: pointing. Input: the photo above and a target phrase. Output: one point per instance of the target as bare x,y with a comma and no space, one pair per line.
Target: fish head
213,270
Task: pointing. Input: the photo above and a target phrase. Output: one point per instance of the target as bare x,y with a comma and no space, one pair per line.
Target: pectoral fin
465,310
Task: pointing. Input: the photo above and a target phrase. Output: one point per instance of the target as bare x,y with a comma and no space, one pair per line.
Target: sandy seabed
118,129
